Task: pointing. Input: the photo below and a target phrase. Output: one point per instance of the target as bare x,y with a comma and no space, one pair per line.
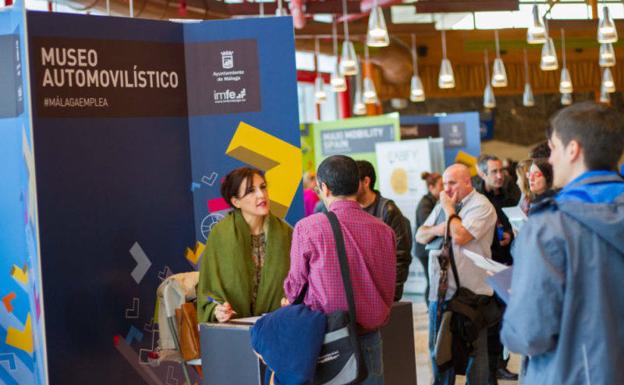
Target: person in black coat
425,207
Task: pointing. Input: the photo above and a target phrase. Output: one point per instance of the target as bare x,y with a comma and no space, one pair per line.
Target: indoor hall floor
423,362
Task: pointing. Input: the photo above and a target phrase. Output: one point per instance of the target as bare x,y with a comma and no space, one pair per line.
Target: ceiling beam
316,29
437,6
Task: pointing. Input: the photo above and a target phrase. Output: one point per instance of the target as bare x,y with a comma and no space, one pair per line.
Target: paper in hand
501,283
485,263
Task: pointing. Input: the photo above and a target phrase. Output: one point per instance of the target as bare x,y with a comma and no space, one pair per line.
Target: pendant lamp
348,59
566,99
359,108
607,33
280,10
536,33
338,82
319,87
604,96
370,93
446,79
377,35
548,60
488,94
527,97
417,92
565,82
499,75
607,55
607,81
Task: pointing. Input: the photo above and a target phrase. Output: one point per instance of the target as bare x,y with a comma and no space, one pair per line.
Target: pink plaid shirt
370,248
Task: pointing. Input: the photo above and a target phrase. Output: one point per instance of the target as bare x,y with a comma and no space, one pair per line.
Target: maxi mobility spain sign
134,125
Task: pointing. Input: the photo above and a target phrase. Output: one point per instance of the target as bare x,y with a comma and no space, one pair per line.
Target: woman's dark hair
232,182
546,170
431,178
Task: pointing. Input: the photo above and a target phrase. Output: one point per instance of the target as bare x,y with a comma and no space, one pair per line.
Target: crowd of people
563,312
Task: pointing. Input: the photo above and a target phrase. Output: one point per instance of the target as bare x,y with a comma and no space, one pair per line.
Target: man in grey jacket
566,305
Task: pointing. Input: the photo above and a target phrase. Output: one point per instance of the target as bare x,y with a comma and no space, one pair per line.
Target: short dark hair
546,170
366,169
540,150
232,182
599,130
340,174
483,160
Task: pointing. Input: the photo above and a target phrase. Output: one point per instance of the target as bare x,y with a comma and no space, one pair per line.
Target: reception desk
227,357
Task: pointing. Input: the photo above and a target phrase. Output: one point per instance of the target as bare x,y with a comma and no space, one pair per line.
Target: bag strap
448,240
302,294
344,266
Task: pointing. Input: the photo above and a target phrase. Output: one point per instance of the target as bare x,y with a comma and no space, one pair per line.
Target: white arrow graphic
143,263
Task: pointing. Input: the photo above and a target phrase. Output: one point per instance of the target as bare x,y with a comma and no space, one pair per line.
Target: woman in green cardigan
246,258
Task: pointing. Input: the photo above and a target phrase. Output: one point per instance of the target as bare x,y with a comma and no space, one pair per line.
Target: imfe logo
227,59
229,96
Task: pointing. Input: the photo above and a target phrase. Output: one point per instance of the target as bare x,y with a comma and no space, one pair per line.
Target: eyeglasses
534,174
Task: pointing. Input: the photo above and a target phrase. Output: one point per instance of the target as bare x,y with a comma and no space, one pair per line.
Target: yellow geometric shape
468,160
20,275
21,339
193,255
281,162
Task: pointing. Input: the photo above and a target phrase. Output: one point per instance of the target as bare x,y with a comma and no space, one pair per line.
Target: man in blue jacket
566,306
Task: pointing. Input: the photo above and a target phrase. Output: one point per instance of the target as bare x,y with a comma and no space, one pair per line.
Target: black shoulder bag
340,361
466,315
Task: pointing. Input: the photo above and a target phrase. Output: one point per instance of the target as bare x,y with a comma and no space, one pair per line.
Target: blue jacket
566,310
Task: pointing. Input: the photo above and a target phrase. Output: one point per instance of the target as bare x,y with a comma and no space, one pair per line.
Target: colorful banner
355,137
22,345
135,123
461,133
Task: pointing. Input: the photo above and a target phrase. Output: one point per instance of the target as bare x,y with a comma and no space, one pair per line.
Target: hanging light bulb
548,60
527,97
370,94
549,56
607,33
377,35
607,81
488,94
488,97
446,79
337,81
348,59
319,90
359,108
565,82
319,87
499,75
417,92
566,99
604,96
536,33
280,10
607,55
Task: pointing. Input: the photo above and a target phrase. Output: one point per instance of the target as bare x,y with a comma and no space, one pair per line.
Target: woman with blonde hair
522,171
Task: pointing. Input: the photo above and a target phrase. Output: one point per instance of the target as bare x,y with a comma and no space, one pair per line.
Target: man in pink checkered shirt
371,253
